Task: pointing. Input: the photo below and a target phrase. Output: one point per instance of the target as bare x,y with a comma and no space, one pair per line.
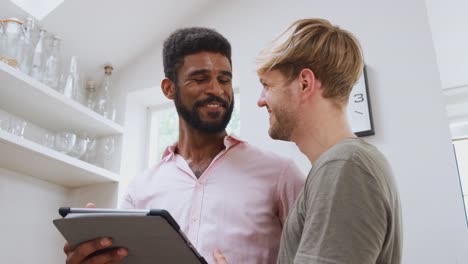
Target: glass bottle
91,95
71,79
105,105
27,44
52,64
38,57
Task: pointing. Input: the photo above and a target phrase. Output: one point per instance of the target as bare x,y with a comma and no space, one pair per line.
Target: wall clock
359,108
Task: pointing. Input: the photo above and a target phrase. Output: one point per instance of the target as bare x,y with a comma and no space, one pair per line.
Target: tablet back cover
149,239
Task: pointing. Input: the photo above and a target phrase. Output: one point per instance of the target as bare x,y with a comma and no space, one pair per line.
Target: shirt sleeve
289,184
345,216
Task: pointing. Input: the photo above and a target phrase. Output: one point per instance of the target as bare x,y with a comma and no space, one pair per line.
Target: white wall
28,206
410,121
136,134
449,22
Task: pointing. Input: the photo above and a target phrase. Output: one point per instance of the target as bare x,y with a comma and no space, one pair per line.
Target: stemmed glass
109,146
91,151
106,149
79,148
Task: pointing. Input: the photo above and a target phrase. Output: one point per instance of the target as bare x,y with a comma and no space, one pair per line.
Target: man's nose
261,100
215,88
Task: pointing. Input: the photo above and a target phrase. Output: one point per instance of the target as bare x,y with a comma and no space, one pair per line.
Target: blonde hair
333,54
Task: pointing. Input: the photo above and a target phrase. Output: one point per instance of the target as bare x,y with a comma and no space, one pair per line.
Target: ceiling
111,31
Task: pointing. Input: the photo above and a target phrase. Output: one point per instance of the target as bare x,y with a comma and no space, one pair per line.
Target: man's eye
224,81
199,80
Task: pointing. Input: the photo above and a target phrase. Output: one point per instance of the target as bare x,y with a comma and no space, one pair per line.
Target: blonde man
349,210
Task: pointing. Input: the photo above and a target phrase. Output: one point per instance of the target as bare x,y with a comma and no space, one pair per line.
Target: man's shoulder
359,159
354,150
250,151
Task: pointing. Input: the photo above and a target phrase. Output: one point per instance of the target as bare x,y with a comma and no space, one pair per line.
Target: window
461,152
164,128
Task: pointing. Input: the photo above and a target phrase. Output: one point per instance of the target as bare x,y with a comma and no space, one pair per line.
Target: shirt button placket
196,211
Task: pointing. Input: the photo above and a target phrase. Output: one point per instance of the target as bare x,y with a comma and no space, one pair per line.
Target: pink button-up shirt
239,204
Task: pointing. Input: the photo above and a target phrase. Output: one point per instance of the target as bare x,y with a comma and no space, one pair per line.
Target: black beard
193,119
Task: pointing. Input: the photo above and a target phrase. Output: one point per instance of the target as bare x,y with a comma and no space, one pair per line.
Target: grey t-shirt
348,212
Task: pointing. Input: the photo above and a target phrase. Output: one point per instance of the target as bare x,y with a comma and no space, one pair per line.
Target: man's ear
310,85
168,88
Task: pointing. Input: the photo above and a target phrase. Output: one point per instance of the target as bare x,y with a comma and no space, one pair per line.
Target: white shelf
29,158
24,96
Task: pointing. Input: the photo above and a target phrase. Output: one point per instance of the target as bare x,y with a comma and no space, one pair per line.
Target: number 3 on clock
359,108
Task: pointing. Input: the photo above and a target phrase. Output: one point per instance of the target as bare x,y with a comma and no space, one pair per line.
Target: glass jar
12,30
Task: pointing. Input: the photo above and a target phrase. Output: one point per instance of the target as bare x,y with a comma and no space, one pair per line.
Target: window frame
461,176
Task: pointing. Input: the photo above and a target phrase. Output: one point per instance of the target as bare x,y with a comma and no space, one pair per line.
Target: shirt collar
229,142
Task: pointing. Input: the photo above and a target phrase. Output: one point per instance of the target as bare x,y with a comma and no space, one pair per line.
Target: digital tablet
151,236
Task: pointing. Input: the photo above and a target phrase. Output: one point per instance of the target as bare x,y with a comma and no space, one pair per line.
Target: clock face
359,111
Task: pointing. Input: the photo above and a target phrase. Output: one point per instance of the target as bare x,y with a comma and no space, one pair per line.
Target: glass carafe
105,105
38,57
51,74
12,42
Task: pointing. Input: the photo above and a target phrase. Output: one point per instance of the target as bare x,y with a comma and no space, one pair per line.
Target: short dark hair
188,41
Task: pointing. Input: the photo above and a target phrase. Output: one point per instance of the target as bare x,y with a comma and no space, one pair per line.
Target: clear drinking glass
17,126
64,142
48,140
4,123
51,73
